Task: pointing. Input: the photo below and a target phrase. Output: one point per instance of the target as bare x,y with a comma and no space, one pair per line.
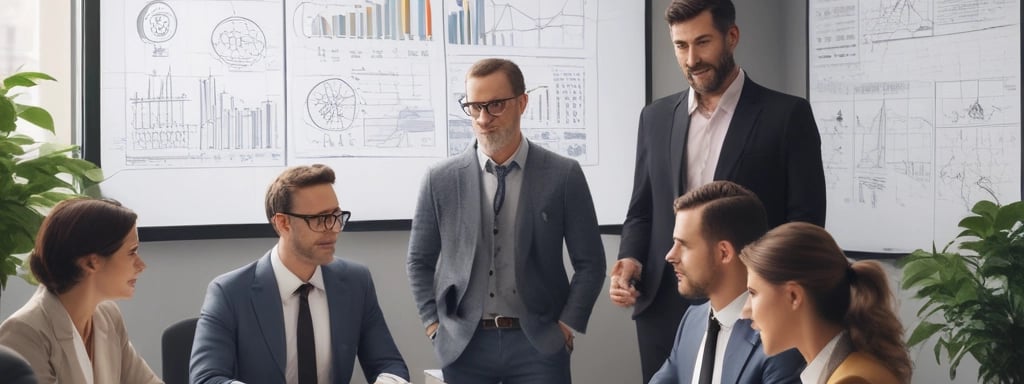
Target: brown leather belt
500,322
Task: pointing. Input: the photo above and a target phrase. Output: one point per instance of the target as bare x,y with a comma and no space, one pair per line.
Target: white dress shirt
707,134
287,283
83,355
727,318
815,370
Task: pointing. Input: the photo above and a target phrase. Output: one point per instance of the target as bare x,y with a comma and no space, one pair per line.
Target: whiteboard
918,104
203,103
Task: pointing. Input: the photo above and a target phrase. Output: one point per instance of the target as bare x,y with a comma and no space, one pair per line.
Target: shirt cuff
387,378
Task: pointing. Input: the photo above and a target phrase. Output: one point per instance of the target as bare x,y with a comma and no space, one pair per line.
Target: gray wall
772,50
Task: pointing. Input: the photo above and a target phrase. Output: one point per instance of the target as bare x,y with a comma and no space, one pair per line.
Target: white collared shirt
707,134
287,283
84,361
727,318
816,367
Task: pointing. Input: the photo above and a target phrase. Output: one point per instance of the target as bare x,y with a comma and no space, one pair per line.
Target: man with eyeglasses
485,254
298,315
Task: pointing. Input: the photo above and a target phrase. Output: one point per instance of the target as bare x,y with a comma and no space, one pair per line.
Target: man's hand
621,292
567,334
432,329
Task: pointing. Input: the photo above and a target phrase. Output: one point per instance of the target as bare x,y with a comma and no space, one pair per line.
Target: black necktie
707,363
499,194
304,338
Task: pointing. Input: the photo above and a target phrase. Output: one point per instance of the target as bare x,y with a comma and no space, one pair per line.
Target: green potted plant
34,175
973,292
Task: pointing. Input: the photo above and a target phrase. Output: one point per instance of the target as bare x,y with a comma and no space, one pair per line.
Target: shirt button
492,294
495,231
492,272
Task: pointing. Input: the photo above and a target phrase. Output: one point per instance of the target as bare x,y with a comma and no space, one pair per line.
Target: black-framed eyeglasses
494,107
325,222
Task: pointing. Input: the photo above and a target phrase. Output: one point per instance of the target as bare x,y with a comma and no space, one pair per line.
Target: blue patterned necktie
499,194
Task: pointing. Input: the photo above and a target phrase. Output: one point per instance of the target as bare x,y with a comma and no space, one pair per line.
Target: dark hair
855,296
74,229
731,212
723,12
279,194
512,72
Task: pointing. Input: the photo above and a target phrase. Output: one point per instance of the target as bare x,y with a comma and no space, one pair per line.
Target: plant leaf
8,115
25,79
922,332
37,116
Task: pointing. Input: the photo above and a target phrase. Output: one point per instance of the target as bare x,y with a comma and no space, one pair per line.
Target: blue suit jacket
240,333
554,206
744,362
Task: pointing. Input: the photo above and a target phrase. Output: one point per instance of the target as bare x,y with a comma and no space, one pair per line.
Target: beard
726,64
694,289
497,140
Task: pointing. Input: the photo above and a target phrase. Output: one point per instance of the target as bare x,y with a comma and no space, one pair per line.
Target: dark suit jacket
240,332
14,369
554,206
744,362
772,147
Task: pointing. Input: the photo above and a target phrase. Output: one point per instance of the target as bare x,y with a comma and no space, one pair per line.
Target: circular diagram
331,105
157,22
239,42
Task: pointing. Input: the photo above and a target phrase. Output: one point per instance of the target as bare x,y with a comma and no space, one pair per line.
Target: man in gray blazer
485,255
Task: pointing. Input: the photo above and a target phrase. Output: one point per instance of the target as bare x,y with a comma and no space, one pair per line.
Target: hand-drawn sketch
157,24
523,24
919,114
238,41
331,105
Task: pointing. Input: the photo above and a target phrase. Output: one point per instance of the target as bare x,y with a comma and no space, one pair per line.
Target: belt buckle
497,322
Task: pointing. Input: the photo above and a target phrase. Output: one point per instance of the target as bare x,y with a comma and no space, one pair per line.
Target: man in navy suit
725,127
486,260
298,315
713,344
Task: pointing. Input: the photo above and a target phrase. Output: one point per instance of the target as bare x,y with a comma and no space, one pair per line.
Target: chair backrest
14,369
177,350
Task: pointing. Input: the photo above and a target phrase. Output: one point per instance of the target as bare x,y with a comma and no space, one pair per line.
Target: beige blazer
861,368
42,332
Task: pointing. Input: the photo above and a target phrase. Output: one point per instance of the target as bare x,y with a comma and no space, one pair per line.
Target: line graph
896,19
524,24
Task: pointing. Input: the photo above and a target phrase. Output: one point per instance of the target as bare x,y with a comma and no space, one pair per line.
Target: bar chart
227,123
379,20
524,24
164,119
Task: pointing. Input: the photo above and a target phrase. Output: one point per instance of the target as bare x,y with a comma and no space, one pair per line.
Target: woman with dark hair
805,294
86,254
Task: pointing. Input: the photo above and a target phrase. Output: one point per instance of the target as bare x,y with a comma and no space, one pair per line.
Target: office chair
177,350
14,369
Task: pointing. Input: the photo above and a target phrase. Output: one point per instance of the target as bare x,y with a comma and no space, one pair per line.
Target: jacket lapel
535,162
468,203
266,303
63,333
737,352
747,109
678,133
692,333
339,306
